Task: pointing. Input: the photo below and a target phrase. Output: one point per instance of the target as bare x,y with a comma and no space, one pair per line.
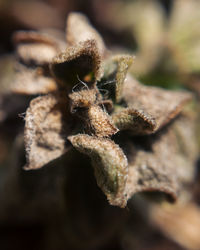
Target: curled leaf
11,104
135,120
79,29
123,64
155,106
46,130
32,81
35,51
86,105
31,37
36,47
80,60
84,98
115,69
110,165
161,162
100,123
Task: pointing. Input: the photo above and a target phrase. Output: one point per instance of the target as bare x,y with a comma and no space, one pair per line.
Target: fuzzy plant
139,138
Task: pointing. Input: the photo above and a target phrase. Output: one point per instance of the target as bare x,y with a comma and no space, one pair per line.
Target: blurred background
164,35
46,209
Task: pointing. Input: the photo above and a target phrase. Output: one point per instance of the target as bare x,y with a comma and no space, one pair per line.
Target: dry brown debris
151,106
110,165
163,163
90,117
78,29
46,130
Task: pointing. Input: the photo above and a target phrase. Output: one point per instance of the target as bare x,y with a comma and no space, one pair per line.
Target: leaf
151,106
163,162
79,60
115,70
100,123
32,81
36,48
135,120
86,105
35,51
46,129
110,165
36,37
123,64
79,29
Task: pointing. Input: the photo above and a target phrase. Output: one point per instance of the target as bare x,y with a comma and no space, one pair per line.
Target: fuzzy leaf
85,103
100,123
79,29
123,64
163,162
36,47
134,120
32,81
77,61
151,106
115,70
46,130
35,51
110,165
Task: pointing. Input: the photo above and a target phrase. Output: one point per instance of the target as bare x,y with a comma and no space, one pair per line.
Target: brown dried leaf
123,64
10,104
110,165
77,61
35,51
47,36
84,98
154,105
99,122
32,81
134,120
85,103
37,54
163,162
115,69
36,47
79,29
46,130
